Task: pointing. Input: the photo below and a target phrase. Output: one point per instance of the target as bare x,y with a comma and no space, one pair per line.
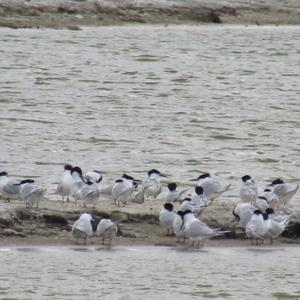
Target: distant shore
51,223
74,14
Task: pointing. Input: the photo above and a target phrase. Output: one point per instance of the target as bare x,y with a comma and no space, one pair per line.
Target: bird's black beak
195,179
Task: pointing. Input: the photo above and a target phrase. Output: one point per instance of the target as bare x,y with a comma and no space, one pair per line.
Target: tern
174,194
197,231
9,187
167,216
65,186
248,190
31,193
106,229
152,186
211,187
257,227
122,189
82,228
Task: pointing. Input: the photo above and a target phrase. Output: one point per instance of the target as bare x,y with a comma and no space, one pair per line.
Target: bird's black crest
199,190
169,206
172,186
246,177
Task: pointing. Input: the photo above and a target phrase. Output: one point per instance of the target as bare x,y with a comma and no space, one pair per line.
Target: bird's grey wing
11,188
286,198
107,190
125,195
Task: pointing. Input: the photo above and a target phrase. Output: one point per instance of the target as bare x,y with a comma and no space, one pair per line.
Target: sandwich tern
93,176
275,226
197,231
31,193
107,230
122,189
152,186
167,216
87,192
175,195
65,186
9,187
82,228
211,187
257,228
243,212
248,190
178,226
262,203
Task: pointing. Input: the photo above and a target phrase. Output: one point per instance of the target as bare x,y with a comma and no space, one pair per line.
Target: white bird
82,228
211,187
31,193
243,213
93,176
279,187
64,188
276,217
107,229
178,226
152,186
284,191
9,187
167,216
175,195
272,198
257,228
261,203
197,231
199,199
187,205
87,192
122,190
275,226
248,190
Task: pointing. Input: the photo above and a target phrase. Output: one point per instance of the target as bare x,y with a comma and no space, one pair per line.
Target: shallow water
182,99
157,272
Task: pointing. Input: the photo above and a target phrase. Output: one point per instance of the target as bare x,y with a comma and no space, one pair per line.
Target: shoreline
74,14
38,242
138,224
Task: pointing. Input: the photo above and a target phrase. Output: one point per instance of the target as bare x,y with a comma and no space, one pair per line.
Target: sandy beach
74,14
138,224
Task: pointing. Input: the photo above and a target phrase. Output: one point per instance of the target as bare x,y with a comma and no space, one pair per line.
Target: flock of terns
262,215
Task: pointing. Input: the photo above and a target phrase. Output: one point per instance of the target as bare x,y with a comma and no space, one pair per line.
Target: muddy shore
51,223
73,14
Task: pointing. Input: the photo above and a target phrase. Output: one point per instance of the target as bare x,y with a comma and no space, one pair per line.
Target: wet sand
74,14
51,223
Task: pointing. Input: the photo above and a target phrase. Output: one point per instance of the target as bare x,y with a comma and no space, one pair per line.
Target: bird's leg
85,241
103,241
271,241
193,243
68,199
